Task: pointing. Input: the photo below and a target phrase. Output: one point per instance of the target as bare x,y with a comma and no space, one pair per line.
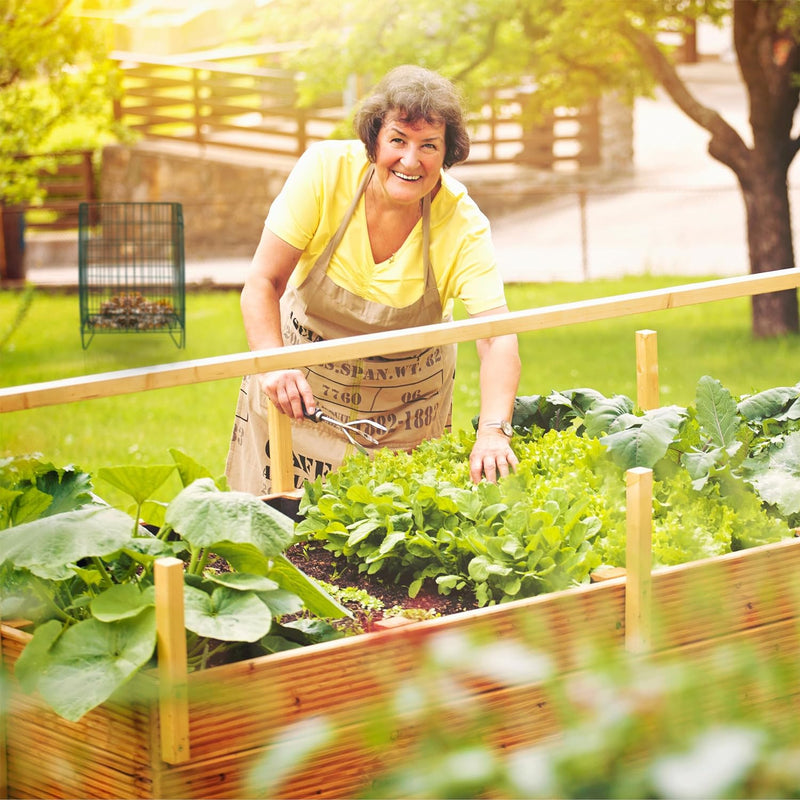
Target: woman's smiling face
408,158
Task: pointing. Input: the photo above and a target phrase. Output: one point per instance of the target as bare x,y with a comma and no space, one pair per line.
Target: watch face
505,426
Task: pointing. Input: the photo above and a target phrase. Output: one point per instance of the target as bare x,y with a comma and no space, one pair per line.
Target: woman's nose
410,157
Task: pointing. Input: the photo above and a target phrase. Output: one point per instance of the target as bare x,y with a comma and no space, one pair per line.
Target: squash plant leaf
205,516
68,488
121,601
226,614
46,547
314,597
31,660
22,505
242,581
92,660
138,482
716,412
190,470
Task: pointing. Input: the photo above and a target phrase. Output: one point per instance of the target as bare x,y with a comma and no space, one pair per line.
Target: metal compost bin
131,269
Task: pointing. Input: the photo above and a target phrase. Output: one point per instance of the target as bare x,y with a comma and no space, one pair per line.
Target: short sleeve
294,215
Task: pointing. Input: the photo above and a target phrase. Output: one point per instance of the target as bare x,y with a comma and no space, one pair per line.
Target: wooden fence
250,107
70,184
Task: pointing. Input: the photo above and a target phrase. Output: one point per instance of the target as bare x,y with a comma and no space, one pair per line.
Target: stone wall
225,194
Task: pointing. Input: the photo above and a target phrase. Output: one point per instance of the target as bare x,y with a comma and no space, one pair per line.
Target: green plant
82,572
412,517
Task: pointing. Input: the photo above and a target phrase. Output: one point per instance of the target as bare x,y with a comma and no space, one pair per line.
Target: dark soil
393,599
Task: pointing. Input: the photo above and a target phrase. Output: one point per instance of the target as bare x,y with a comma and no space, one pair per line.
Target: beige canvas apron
410,393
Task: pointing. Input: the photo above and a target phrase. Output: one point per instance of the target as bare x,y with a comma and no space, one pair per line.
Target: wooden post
280,450
584,234
638,560
647,390
172,669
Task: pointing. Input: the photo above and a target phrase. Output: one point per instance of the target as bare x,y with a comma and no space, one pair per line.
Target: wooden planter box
236,711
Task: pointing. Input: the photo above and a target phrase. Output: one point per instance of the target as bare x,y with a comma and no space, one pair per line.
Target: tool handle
315,416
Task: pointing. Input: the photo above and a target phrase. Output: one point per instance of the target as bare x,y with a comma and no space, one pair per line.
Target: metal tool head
349,429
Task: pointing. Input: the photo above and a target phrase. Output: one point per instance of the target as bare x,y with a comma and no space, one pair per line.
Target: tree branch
48,21
725,145
485,52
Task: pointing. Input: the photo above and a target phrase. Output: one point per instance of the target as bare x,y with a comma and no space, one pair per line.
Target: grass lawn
711,339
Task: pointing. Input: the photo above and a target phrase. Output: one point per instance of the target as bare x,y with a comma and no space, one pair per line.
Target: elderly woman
372,235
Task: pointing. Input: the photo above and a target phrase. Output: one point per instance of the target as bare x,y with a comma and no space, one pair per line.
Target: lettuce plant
726,476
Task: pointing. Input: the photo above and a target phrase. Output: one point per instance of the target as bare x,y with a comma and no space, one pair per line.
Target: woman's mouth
404,177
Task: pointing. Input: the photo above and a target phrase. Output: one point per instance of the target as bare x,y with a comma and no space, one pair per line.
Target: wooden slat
70,390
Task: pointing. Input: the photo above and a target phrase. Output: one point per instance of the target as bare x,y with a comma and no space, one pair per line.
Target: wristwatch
503,424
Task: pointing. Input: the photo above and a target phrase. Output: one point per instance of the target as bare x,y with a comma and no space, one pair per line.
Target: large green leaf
314,597
92,660
138,482
767,404
226,614
645,443
204,517
602,414
716,412
777,480
49,545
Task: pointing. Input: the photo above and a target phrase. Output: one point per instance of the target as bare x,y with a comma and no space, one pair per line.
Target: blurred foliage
673,725
53,71
570,51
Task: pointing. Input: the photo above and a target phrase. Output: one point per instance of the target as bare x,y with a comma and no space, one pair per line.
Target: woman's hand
491,456
289,391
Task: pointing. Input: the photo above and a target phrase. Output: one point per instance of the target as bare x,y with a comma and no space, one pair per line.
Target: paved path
680,213
684,213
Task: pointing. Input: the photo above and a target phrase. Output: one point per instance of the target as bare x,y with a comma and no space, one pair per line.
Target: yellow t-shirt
314,200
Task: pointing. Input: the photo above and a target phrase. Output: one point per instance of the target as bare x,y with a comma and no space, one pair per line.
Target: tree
53,72
575,50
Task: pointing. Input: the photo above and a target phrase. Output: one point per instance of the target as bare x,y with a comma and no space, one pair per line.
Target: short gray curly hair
419,94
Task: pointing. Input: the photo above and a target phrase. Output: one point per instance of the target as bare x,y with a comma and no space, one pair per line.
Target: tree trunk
769,237
769,58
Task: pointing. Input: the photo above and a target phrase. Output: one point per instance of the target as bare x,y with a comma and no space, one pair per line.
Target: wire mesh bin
131,269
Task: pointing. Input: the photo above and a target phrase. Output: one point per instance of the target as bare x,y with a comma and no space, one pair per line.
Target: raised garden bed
236,712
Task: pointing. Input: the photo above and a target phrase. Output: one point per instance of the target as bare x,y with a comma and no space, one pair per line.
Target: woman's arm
492,455
266,281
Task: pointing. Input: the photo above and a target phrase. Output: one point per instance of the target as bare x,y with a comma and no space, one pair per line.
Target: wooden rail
89,387
209,103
